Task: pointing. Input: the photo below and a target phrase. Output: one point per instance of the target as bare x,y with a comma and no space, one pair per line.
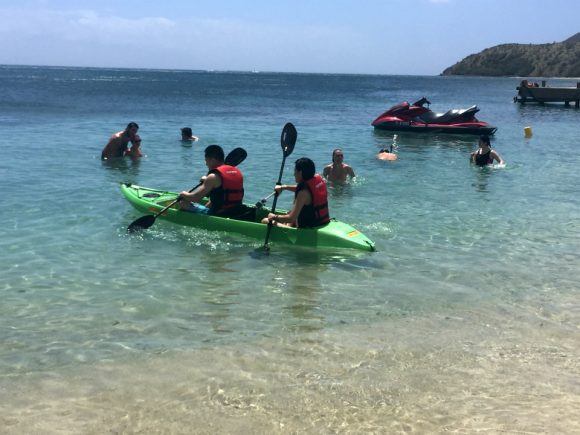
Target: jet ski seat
449,116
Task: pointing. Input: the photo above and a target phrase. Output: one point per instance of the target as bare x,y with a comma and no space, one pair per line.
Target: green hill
559,59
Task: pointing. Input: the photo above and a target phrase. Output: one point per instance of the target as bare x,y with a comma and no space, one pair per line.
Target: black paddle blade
142,223
236,156
260,252
288,139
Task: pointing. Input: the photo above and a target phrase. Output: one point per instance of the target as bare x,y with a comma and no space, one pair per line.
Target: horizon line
254,71
199,71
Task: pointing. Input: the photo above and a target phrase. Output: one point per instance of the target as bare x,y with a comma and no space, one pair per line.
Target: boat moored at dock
532,92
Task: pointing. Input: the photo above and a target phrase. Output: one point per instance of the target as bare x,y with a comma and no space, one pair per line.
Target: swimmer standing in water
484,155
337,171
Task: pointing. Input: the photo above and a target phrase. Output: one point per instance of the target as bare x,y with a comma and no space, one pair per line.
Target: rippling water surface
466,318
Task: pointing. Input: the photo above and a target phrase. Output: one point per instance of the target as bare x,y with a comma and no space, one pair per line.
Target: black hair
485,139
215,151
131,125
187,131
306,166
386,150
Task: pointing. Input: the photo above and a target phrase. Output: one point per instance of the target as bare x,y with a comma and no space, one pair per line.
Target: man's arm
350,171
326,171
210,183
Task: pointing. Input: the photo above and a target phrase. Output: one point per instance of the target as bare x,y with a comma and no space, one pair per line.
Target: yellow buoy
528,132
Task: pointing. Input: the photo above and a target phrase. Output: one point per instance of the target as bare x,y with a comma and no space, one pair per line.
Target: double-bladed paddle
234,158
287,142
263,201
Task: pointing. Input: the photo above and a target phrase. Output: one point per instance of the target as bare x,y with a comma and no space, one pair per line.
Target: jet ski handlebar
421,102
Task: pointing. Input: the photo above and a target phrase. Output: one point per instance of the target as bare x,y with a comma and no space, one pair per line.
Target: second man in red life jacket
223,184
310,208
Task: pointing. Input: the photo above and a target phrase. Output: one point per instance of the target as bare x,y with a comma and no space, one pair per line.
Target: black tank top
483,159
306,218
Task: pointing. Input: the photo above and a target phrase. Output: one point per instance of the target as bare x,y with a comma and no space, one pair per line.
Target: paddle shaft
263,200
179,198
275,201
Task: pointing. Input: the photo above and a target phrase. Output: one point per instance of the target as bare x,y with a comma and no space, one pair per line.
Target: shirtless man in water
337,171
117,145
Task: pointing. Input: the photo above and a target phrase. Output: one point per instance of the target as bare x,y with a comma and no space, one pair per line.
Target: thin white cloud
84,37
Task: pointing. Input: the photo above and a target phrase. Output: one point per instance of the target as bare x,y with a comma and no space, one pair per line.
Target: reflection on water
482,177
302,288
546,109
127,166
342,191
301,277
418,142
296,256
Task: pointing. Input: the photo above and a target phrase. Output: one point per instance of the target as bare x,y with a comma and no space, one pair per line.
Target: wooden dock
529,92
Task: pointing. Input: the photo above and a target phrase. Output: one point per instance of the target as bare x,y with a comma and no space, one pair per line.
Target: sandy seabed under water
470,372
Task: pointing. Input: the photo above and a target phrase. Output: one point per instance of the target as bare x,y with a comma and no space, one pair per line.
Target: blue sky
333,36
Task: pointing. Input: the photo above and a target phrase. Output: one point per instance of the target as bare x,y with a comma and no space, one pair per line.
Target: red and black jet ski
417,118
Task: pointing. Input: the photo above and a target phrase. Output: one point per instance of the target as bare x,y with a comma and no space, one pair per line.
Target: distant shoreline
200,71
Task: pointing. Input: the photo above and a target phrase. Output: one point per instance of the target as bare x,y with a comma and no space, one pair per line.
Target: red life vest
315,214
231,193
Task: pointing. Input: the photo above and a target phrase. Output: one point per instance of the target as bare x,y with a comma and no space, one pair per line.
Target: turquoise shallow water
474,285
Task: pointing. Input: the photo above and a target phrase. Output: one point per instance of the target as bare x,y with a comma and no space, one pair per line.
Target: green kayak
335,234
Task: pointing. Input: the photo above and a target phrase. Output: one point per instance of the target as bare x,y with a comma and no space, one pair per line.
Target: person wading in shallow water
187,135
310,208
337,171
485,155
117,145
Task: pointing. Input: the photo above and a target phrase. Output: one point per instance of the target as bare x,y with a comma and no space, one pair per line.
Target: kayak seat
243,213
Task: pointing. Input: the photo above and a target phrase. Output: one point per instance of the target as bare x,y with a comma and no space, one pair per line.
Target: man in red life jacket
310,207
223,184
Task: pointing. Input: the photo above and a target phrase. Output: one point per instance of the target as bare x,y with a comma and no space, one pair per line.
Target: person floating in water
337,171
187,135
485,155
118,143
387,154
310,208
